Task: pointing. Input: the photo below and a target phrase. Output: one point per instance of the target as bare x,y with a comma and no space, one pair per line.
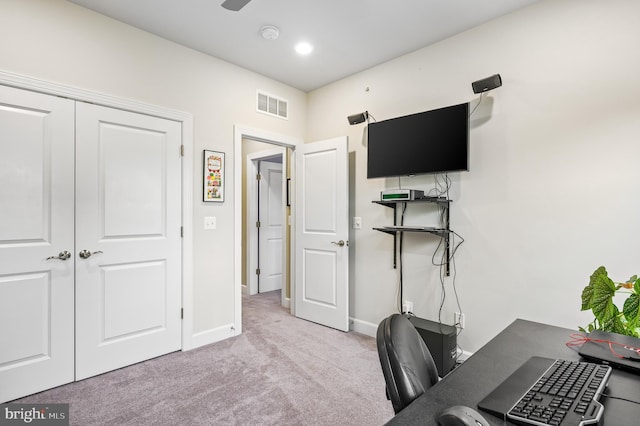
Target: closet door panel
128,291
36,242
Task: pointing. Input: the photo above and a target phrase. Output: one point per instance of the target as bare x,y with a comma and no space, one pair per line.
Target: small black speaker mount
487,84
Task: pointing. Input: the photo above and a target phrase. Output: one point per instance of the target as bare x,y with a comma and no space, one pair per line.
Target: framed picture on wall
213,176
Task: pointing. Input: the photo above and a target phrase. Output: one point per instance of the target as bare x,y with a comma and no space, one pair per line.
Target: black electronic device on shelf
435,141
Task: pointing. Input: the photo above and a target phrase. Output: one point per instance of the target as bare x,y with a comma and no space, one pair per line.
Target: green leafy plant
598,296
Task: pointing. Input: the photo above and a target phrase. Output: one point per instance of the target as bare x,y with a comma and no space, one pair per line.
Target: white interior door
128,266
322,247
36,225
271,229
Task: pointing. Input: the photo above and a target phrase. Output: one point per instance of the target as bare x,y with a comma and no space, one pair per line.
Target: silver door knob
85,254
63,255
338,243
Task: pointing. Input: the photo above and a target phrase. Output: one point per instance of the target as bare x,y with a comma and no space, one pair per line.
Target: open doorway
265,225
320,204
240,248
269,141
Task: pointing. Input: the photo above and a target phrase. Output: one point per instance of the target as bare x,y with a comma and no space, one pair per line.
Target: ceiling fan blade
235,5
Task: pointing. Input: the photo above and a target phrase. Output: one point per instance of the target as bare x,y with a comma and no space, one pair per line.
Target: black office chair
406,362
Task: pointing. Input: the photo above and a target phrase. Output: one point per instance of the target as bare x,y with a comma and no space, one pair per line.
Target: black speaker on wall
487,84
358,118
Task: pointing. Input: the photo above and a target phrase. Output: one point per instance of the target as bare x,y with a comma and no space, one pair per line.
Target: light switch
357,223
209,222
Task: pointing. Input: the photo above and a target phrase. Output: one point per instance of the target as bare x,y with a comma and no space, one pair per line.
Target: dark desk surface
494,362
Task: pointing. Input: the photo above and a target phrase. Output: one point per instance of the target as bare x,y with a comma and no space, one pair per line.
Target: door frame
186,120
243,132
253,237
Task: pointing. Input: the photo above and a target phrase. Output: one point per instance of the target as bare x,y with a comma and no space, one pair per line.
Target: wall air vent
272,105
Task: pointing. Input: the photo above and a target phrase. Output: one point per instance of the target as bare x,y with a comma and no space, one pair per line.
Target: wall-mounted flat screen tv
435,141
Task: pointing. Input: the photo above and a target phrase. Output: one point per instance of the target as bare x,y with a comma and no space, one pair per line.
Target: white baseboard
363,327
463,355
212,336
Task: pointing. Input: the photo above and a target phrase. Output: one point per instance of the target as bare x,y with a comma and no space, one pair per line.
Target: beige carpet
280,371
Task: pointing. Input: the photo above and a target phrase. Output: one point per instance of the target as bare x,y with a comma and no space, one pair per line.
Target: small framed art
213,176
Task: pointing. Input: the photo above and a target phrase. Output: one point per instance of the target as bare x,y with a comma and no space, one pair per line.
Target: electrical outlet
458,319
407,306
209,222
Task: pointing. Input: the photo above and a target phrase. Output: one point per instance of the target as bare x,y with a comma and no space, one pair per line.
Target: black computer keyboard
566,394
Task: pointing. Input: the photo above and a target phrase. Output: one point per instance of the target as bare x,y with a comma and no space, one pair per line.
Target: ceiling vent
271,105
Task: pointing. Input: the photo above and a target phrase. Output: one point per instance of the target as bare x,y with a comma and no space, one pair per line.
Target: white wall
554,182
63,43
552,191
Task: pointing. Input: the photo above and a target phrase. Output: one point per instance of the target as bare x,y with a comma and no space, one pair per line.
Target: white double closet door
90,246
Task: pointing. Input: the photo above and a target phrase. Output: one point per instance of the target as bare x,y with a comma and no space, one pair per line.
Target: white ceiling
348,35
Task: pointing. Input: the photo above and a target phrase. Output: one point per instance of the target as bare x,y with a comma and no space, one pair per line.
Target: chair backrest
407,364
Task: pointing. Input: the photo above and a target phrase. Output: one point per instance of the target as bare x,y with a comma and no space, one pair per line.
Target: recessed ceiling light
304,48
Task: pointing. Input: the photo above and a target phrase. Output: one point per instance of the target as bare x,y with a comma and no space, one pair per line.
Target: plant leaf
631,310
602,300
587,295
587,292
614,325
